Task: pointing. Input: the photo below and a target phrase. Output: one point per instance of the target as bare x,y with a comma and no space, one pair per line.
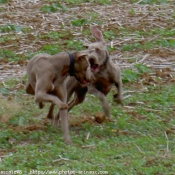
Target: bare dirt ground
117,15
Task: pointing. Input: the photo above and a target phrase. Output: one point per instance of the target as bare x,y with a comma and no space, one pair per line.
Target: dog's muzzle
94,66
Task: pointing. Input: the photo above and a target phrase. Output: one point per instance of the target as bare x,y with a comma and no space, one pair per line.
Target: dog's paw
67,141
118,99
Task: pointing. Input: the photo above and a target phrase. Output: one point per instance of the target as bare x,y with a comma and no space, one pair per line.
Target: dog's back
33,60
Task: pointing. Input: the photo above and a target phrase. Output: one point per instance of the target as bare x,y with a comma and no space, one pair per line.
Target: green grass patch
166,32
139,140
11,27
148,45
54,7
151,1
4,1
79,22
55,35
132,75
77,2
9,54
51,48
135,142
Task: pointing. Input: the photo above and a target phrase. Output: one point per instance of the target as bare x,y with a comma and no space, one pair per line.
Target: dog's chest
103,85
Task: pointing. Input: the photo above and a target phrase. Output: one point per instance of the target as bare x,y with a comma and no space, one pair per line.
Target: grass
139,140
151,1
53,8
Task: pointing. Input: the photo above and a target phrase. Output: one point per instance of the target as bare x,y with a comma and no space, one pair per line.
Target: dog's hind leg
29,89
50,113
41,94
118,98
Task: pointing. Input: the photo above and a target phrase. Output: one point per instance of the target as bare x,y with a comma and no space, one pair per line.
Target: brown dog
105,72
46,80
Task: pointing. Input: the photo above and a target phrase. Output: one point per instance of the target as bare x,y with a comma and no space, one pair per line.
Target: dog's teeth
52,87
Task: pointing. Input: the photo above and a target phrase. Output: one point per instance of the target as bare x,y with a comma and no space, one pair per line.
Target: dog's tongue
94,67
84,82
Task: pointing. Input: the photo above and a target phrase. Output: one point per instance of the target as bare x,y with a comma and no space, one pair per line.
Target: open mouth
83,81
94,67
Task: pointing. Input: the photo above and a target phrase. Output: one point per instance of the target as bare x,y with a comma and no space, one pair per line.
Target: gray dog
46,80
105,72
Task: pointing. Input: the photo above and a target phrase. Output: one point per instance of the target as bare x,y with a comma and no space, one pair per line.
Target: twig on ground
139,149
61,159
145,56
88,146
87,136
167,142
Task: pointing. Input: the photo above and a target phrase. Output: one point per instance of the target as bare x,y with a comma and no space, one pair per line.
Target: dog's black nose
92,60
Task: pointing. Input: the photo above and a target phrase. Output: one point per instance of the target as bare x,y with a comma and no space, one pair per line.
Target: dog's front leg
102,98
42,95
63,115
61,92
65,126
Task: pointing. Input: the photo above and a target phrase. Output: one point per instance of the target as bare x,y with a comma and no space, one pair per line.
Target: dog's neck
106,61
71,68
107,58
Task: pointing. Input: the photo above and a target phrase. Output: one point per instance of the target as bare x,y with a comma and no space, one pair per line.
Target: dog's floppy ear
97,34
80,55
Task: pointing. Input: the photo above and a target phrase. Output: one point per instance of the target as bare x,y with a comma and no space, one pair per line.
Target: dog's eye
97,50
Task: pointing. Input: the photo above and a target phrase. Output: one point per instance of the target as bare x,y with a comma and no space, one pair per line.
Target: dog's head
82,70
97,51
